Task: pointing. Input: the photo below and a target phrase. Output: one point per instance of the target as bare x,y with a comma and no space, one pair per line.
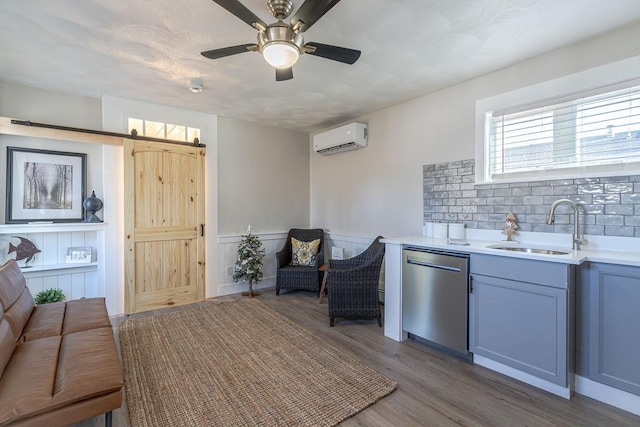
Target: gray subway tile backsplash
604,199
618,209
590,188
594,230
541,191
587,180
609,205
564,190
593,209
615,179
610,220
626,187
617,230
630,199
521,191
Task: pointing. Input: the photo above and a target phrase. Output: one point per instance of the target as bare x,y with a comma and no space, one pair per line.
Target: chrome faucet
578,239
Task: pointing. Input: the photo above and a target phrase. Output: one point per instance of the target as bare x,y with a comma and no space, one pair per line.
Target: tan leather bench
58,362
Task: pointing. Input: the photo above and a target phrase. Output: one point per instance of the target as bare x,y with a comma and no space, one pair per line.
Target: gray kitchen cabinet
608,317
520,315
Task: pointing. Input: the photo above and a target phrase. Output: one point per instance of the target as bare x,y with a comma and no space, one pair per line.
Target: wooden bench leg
323,288
108,418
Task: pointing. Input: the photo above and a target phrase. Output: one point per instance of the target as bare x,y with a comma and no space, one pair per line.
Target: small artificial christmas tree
249,262
510,226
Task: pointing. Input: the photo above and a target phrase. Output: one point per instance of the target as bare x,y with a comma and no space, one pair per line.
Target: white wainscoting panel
272,243
75,285
228,253
49,269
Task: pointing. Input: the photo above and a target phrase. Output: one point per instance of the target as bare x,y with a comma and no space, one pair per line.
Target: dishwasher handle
428,264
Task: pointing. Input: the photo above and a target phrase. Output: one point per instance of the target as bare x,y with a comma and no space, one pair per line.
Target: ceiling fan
282,44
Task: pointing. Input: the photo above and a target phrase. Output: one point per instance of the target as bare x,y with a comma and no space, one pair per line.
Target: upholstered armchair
353,285
297,276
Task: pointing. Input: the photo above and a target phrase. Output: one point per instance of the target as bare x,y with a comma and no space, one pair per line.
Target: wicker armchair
299,277
353,285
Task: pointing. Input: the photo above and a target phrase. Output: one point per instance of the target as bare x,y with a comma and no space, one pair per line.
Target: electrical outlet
229,271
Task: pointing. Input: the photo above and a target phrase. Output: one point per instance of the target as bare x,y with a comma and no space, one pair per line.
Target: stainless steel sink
529,250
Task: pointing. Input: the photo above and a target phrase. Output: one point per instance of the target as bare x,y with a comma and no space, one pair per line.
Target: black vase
92,205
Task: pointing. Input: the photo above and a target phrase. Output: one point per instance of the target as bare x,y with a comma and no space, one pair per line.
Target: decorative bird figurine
26,249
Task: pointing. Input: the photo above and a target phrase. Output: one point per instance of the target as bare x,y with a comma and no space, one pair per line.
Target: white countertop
621,257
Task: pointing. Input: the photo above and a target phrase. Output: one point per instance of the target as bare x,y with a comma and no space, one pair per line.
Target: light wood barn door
164,225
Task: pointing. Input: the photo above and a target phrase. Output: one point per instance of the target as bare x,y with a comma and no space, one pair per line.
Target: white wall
378,190
46,106
116,112
263,176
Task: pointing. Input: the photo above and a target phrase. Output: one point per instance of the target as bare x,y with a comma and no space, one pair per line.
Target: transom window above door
161,130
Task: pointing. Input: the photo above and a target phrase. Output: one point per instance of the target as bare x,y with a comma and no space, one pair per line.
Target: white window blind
584,133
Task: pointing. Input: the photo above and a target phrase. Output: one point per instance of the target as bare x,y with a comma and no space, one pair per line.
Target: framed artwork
79,255
45,186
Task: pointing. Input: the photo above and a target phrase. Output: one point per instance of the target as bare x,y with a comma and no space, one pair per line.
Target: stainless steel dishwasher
435,297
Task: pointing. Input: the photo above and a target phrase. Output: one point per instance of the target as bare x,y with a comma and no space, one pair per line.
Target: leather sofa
58,362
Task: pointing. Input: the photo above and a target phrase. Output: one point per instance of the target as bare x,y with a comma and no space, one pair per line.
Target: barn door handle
201,230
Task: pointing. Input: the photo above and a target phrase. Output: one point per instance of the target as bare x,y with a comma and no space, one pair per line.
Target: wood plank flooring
434,389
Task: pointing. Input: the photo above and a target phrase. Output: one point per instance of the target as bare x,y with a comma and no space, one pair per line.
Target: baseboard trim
584,386
564,392
235,288
607,394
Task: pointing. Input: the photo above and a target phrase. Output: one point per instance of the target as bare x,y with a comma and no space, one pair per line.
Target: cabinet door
520,325
614,326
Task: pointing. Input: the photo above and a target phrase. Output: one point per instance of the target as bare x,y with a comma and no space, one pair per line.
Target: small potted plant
49,295
249,263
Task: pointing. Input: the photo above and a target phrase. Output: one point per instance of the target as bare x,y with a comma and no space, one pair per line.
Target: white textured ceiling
150,50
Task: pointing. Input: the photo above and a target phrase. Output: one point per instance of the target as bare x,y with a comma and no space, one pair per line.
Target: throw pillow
304,253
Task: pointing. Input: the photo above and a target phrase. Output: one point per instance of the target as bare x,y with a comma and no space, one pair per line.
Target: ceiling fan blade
239,10
284,74
336,53
231,50
311,11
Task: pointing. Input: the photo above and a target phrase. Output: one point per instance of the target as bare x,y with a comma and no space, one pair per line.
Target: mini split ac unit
345,138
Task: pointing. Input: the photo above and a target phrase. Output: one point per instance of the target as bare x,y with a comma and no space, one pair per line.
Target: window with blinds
587,132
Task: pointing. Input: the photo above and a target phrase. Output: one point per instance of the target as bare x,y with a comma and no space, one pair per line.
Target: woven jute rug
239,363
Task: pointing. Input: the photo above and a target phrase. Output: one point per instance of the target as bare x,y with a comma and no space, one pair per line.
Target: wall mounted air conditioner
345,138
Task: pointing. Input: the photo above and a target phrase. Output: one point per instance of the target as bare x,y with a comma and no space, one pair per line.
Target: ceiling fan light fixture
281,44
280,54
